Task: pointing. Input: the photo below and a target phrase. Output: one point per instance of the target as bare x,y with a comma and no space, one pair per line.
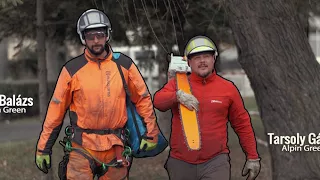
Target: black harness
97,170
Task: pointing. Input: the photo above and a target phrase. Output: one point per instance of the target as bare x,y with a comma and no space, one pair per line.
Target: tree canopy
60,19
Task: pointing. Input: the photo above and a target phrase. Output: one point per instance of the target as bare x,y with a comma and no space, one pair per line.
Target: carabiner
69,130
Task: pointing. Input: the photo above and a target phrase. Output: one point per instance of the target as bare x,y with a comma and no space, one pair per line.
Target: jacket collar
93,58
194,77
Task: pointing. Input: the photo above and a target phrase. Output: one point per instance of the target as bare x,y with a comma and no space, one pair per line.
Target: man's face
95,40
202,64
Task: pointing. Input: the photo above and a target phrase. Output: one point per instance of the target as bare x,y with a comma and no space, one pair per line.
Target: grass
250,103
17,158
25,120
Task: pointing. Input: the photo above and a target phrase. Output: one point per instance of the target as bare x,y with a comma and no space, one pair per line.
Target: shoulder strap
116,57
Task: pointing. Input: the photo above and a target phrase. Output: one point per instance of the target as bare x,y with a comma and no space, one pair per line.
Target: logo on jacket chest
216,101
108,74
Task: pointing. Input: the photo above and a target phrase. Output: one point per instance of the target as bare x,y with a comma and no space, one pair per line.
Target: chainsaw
189,120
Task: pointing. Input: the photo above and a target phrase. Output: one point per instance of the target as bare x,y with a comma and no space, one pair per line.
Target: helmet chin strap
107,48
109,34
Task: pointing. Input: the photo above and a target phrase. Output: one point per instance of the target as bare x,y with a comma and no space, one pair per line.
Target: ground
18,147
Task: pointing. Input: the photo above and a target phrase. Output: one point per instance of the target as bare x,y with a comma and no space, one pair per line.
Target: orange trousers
80,166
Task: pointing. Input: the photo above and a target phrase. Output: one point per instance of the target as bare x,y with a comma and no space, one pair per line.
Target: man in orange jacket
215,101
91,87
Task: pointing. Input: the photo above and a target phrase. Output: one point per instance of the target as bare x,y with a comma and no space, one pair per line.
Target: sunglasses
98,35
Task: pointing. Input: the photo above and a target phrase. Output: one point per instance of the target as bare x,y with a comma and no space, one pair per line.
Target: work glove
147,145
43,162
252,167
172,72
188,100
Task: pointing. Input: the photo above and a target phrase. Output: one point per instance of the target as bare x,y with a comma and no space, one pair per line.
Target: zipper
204,82
101,96
200,112
99,63
102,100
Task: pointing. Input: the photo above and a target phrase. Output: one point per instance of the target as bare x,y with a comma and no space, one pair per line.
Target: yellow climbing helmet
200,44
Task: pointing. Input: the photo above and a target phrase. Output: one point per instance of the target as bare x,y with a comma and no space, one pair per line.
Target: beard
98,52
204,75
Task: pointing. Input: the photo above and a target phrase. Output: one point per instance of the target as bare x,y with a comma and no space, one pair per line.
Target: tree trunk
41,51
284,74
42,75
303,12
52,60
3,59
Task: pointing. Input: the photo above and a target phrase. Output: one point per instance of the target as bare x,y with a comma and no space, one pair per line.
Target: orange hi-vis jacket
92,89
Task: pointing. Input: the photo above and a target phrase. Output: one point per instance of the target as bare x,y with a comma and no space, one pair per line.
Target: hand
43,162
252,167
147,145
188,100
172,72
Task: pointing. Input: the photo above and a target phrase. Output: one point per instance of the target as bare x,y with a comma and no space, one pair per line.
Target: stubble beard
96,53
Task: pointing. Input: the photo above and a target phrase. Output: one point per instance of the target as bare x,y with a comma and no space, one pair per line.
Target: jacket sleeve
166,97
240,122
141,97
58,104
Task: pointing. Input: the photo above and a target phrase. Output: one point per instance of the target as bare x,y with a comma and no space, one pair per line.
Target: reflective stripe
86,21
93,17
101,18
201,49
55,100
